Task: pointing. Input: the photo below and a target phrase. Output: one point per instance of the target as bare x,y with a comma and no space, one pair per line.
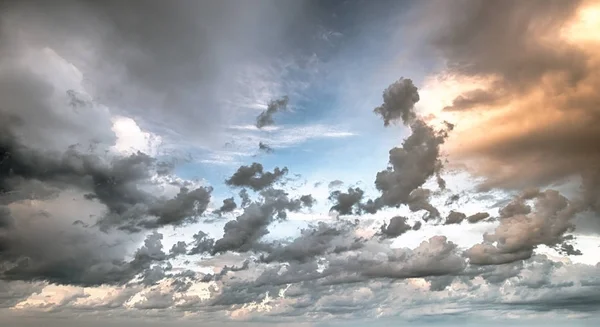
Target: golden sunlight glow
586,26
438,92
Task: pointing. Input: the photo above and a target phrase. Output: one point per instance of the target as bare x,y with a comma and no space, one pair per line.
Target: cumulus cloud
410,165
335,183
254,177
398,225
517,236
244,233
399,100
478,217
419,200
434,257
202,243
455,217
315,242
228,206
346,203
70,254
245,197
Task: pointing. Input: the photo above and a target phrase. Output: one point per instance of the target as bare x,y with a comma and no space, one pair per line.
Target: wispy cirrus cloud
245,139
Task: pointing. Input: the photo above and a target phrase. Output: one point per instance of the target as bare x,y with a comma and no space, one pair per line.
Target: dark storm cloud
255,177
411,165
117,183
266,117
6,220
82,258
38,162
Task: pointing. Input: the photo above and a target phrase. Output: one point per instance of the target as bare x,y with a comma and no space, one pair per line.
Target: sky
299,163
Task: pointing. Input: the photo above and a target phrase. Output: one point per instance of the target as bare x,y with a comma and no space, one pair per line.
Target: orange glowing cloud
521,86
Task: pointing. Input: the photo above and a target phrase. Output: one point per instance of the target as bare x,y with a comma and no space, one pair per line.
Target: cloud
243,233
56,251
266,117
346,203
410,165
244,197
524,104
202,243
255,177
398,102
455,217
478,217
517,236
419,200
186,206
335,183
228,206
314,242
432,258
243,138
397,226
265,147
181,79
